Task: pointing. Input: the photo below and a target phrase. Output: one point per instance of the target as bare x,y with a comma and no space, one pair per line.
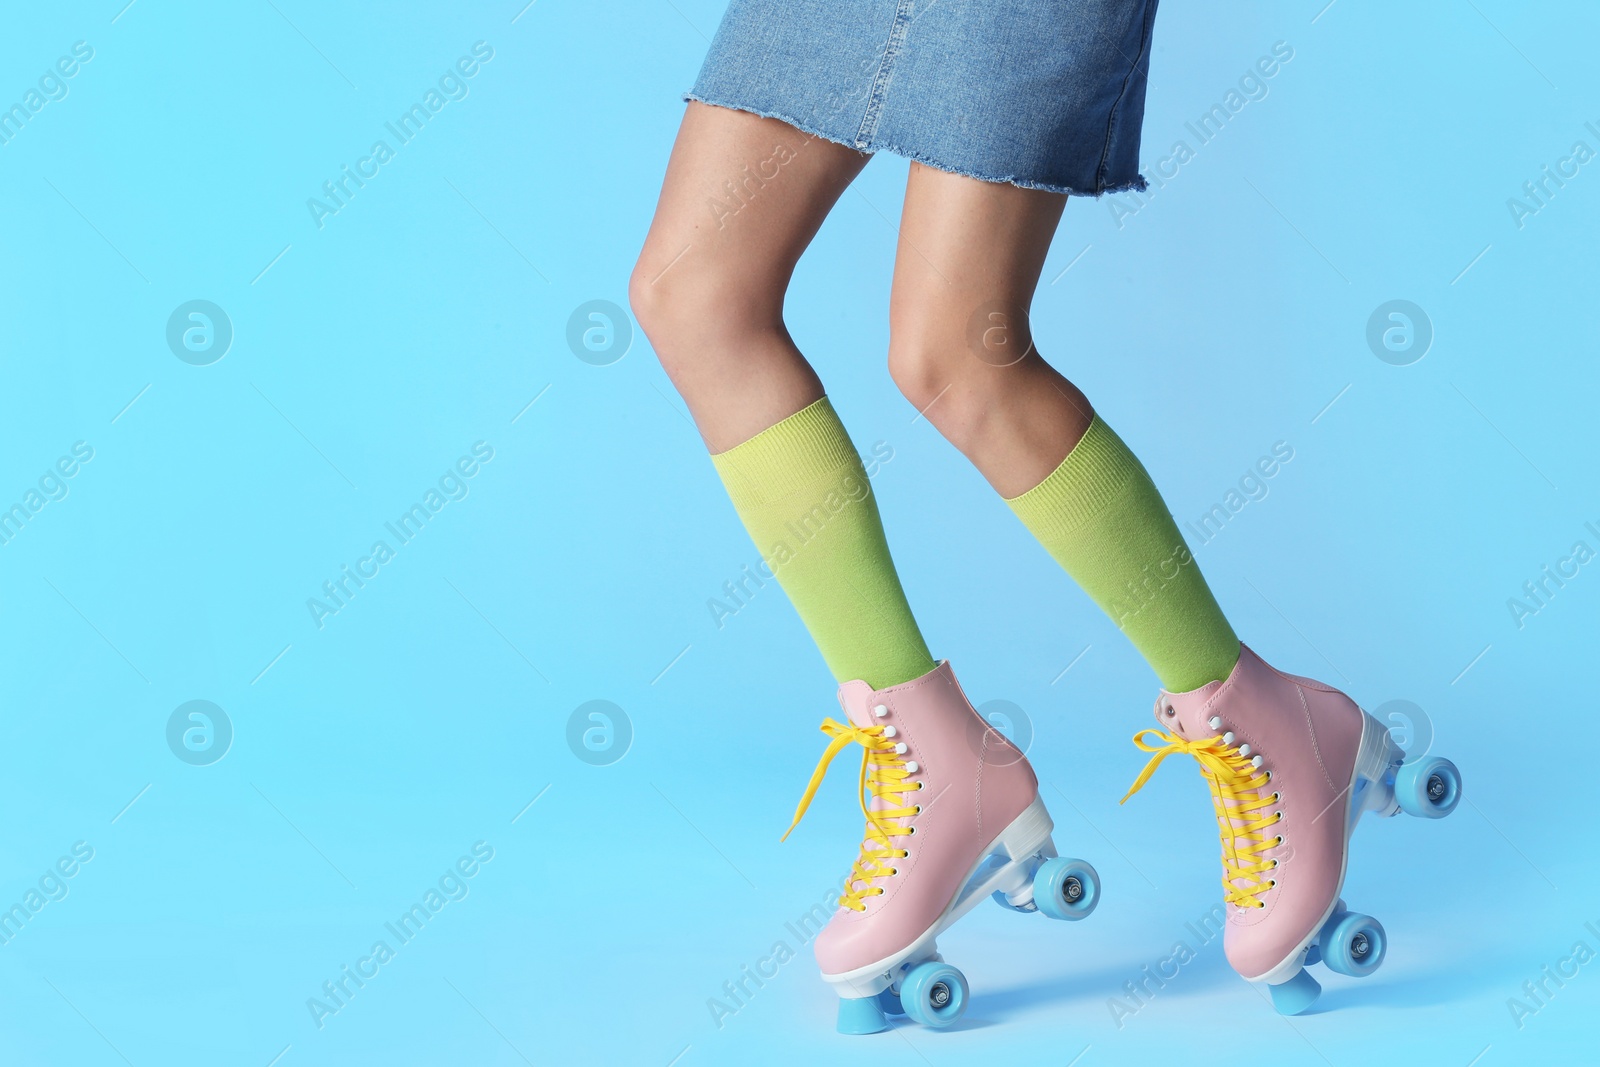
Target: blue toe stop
1295,995
861,1015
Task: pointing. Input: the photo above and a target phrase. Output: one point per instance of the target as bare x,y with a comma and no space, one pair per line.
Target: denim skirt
1045,94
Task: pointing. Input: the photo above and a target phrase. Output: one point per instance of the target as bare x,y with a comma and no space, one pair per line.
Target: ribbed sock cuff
1097,471
786,457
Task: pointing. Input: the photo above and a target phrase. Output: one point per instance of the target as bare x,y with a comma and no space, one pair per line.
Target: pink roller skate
1292,764
953,816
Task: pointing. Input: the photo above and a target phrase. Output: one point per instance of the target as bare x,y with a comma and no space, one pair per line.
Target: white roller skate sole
1371,789
1012,857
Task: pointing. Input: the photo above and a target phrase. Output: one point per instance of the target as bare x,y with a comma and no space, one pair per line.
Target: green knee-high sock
800,488
1102,519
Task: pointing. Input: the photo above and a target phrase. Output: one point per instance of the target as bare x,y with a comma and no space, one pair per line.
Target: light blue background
1224,315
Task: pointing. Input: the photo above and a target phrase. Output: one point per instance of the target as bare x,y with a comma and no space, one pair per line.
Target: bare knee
670,302
660,305
977,378
919,367
696,309
928,354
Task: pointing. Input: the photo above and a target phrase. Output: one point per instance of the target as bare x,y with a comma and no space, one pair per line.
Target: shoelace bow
886,779
1236,784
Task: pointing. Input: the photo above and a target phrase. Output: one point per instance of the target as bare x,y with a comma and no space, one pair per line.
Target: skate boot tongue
856,699
1186,714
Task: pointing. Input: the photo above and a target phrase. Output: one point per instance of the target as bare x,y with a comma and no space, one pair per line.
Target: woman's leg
1283,756
742,199
960,349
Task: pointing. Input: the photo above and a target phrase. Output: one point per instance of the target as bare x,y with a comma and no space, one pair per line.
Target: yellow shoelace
887,780
1236,784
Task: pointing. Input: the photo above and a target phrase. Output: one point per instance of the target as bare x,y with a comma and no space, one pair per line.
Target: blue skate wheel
934,994
1429,788
889,1001
1065,888
1353,944
861,1015
1295,995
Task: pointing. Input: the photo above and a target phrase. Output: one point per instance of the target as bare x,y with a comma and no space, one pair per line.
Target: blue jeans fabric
1044,94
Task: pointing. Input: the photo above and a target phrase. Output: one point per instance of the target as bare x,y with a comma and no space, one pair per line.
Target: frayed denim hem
1136,184
803,127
